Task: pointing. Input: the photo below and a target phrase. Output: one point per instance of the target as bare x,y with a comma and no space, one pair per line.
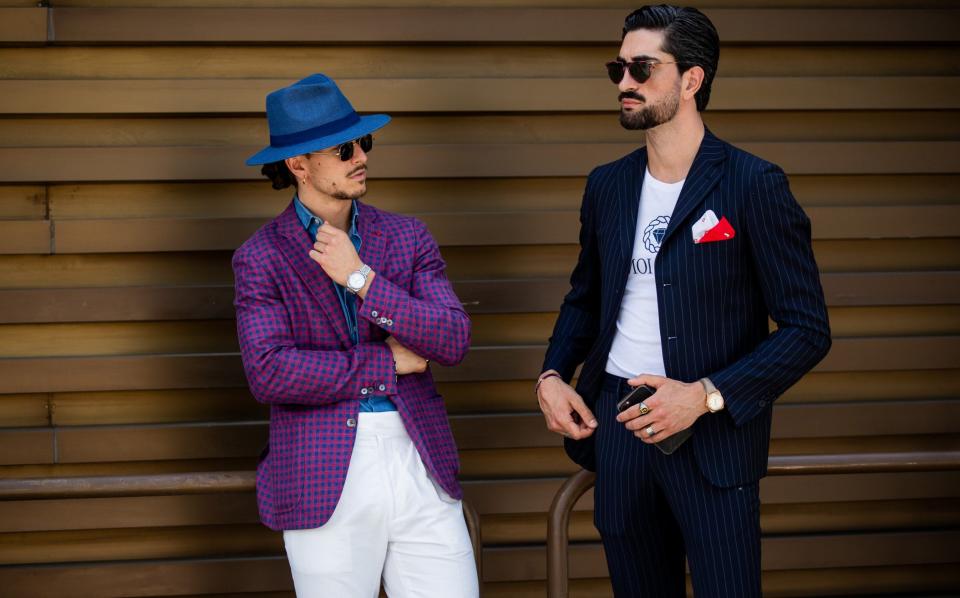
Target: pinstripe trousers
653,509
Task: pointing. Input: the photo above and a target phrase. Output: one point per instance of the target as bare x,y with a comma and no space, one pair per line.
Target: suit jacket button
351,423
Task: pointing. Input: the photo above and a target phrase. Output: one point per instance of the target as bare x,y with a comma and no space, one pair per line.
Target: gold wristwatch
714,398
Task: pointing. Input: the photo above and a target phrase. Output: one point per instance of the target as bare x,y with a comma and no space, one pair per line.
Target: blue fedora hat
310,115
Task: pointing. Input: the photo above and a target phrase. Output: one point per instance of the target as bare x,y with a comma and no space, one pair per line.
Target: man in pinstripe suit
688,246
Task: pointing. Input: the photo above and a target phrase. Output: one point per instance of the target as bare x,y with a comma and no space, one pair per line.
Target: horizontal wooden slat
527,25
39,374
132,512
250,538
267,577
141,443
462,398
809,552
884,469
505,528
878,418
422,61
199,269
24,410
135,544
213,440
226,96
117,373
116,304
24,236
459,229
255,199
164,235
935,581
156,578
489,128
475,160
880,515
26,446
23,25
23,202
478,296
117,338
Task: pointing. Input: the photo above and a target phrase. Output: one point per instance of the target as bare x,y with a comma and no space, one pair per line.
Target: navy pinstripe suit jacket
714,298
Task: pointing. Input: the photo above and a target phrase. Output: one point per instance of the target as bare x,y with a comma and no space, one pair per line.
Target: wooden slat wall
123,127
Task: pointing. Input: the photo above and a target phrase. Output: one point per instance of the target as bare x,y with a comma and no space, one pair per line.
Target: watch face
714,402
356,280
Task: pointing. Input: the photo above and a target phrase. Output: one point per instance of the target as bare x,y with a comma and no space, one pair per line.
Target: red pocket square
721,232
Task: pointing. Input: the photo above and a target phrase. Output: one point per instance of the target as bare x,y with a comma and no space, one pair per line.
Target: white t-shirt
636,345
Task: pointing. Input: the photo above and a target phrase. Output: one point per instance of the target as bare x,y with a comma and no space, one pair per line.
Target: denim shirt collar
311,223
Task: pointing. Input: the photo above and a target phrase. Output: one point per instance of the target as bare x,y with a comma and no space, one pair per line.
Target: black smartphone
635,396
641,393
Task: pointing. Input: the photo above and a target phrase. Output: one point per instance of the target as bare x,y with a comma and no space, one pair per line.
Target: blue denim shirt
348,300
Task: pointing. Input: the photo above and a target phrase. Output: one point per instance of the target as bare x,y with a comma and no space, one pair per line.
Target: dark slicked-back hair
688,35
279,175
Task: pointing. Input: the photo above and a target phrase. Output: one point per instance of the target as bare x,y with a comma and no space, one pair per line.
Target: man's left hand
335,253
674,407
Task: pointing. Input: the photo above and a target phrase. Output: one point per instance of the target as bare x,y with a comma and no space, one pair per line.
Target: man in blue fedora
340,309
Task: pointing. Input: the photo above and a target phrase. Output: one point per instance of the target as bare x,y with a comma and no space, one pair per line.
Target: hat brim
367,124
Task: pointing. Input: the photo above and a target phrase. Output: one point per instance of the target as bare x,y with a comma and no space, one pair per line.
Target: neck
327,208
672,147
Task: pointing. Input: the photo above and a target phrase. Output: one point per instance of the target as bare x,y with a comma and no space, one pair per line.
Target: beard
336,191
653,115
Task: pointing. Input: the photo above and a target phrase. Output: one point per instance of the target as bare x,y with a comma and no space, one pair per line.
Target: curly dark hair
688,35
279,175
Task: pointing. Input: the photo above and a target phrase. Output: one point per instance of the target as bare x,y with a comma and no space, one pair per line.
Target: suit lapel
631,183
295,244
703,176
372,252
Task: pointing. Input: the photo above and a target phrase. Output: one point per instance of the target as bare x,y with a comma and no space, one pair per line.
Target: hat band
329,128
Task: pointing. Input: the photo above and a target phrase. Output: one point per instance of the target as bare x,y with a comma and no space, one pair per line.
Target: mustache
632,95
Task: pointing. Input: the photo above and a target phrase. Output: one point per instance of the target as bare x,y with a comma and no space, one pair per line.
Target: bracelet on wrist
551,374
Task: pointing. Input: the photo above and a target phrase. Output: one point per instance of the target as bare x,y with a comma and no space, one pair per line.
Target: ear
692,80
297,167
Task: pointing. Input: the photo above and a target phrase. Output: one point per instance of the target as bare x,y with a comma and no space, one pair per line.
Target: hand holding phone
637,396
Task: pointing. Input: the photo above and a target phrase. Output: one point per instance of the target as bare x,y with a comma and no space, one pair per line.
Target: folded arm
278,371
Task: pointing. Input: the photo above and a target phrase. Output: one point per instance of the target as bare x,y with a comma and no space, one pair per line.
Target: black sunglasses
345,150
640,71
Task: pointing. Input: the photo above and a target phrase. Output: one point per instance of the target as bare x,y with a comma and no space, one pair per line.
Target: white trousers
392,521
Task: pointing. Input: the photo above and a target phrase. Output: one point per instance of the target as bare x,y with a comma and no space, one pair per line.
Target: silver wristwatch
357,279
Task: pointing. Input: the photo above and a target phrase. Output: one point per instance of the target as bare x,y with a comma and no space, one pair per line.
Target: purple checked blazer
300,360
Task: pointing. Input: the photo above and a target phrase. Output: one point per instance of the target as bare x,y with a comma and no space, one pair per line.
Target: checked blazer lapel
704,175
295,244
372,252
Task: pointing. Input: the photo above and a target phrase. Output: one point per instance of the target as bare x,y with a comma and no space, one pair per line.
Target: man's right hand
559,402
407,361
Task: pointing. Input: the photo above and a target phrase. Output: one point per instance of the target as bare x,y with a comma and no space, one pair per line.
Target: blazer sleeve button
351,423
